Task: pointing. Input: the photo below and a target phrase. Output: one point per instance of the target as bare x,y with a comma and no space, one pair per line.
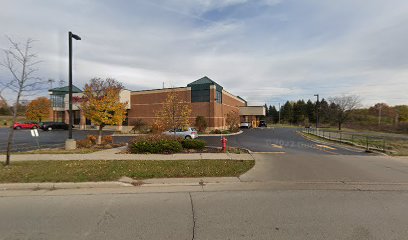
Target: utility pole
317,111
279,113
379,114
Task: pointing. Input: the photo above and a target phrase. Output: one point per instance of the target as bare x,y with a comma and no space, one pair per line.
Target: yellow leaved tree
38,109
175,113
101,103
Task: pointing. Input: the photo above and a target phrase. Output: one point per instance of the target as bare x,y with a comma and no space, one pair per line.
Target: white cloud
281,51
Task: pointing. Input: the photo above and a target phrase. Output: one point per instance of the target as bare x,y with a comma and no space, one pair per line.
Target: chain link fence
359,140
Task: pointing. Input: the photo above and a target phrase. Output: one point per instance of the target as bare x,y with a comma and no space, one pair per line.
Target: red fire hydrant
224,143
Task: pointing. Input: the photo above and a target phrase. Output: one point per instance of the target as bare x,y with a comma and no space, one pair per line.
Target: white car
189,133
245,125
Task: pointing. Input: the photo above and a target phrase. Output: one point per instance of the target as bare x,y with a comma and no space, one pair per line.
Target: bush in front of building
156,143
200,123
193,144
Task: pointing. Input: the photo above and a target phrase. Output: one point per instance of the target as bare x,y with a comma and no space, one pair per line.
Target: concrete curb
127,182
200,135
62,185
220,135
106,156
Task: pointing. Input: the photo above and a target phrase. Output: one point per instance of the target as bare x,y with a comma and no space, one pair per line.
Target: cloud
267,51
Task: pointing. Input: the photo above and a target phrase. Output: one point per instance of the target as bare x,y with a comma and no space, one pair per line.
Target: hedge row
160,143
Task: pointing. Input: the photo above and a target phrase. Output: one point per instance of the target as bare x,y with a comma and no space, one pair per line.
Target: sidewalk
105,155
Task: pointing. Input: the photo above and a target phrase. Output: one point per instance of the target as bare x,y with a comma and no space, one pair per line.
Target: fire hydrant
224,143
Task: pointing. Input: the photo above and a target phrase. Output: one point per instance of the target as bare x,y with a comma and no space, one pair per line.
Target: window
218,97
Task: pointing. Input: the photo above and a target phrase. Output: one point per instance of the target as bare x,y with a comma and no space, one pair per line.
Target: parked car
48,126
245,125
25,125
262,123
189,133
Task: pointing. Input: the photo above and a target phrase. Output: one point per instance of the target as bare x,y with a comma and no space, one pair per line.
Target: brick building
207,99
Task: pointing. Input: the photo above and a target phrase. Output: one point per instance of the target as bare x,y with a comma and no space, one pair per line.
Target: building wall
145,104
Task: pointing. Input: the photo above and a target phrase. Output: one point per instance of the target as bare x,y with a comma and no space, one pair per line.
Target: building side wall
145,105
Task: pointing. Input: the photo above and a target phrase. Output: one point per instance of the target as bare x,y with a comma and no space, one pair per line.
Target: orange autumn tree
101,103
38,109
232,120
175,113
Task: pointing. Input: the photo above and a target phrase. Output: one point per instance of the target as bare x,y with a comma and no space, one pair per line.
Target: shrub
200,123
216,131
92,139
85,143
107,140
193,144
157,143
138,125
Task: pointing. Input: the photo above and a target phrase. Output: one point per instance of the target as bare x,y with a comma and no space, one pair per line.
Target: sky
266,51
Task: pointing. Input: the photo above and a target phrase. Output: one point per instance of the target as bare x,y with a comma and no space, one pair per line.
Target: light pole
317,110
71,122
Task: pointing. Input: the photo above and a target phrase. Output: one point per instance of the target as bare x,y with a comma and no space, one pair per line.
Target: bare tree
343,106
21,63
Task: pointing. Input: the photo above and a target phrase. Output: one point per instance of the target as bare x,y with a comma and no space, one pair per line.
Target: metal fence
359,140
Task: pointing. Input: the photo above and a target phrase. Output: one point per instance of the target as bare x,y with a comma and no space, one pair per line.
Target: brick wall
145,104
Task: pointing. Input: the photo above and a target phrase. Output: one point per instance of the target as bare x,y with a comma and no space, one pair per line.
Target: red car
25,125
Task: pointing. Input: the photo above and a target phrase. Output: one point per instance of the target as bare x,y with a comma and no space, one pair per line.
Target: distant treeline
377,117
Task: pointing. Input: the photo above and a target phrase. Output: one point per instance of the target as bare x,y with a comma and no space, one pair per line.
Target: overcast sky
265,50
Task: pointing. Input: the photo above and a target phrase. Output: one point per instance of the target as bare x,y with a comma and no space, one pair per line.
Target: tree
402,111
273,114
232,120
287,112
101,103
342,106
21,62
38,109
174,114
200,123
310,111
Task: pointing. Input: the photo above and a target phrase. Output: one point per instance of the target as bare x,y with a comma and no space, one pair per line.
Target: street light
317,110
71,122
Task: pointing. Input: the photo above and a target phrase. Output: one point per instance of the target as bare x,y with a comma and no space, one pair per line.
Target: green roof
203,80
65,89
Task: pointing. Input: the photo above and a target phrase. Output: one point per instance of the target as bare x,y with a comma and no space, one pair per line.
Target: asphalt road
23,141
262,214
285,140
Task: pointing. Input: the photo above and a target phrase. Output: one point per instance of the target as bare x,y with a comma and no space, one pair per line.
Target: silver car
189,133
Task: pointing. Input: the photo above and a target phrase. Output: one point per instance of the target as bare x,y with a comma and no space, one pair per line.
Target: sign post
35,135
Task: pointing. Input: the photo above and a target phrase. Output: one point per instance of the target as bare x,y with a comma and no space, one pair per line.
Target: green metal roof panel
66,89
204,83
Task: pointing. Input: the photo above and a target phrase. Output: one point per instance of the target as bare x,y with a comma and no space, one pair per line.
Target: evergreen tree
311,111
287,112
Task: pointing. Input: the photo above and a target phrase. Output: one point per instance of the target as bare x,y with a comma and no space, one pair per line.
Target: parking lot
23,141
279,140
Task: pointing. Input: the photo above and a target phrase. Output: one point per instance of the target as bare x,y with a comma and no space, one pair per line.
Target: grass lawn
392,147
101,170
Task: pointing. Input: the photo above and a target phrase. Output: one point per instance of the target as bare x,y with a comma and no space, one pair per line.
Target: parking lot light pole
70,142
317,111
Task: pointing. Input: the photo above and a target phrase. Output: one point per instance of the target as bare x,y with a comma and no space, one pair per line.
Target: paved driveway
23,141
283,140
